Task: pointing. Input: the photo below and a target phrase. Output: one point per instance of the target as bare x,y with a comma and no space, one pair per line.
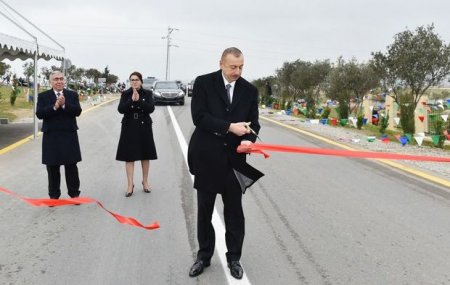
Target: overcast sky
127,35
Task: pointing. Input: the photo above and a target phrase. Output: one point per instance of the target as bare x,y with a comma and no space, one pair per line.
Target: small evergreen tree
360,121
14,92
384,124
439,130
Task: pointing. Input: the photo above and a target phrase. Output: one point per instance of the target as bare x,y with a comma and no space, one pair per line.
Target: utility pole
169,44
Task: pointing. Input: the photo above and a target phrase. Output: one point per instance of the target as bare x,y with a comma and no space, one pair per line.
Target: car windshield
166,85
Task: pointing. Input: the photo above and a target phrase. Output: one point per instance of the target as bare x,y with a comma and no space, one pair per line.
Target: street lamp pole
169,44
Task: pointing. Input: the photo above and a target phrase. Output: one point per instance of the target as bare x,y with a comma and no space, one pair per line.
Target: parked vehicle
167,92
147,83
187,88
190,87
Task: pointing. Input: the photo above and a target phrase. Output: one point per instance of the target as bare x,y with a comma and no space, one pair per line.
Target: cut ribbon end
77,201
251,148
153,226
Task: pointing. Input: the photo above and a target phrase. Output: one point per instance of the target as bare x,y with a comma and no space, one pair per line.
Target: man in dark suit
59,107
224,107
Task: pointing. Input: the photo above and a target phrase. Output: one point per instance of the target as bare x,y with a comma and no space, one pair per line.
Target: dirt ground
22,114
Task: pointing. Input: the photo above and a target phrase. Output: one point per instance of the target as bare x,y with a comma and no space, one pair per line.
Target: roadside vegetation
21,104
413,66
16,93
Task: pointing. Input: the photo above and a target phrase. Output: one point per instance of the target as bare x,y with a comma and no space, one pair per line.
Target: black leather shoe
197,267
77,204
51,206
236,269
146,190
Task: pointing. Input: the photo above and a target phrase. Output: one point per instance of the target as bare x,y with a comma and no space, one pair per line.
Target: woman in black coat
136,137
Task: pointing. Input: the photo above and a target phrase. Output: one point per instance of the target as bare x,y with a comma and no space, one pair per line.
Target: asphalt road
310,220
13,132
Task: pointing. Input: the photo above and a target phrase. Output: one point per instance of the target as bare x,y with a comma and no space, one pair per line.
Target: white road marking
217,222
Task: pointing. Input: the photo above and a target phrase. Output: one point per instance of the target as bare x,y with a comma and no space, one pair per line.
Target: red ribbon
260,148
77,201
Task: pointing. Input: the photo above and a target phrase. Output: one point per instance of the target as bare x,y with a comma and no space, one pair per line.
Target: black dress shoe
51,206
76,204
236,269
146,190
197,267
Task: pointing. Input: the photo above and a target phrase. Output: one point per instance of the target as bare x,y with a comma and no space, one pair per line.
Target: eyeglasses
135,79
58,79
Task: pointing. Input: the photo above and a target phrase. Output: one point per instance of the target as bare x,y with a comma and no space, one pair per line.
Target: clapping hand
60,101
135,96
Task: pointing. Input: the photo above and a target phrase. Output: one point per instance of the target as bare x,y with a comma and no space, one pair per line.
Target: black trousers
234,220
54,180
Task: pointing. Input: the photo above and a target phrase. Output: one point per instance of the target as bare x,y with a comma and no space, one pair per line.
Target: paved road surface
13,132
310,220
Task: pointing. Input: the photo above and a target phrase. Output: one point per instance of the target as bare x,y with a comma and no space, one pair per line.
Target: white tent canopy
12,48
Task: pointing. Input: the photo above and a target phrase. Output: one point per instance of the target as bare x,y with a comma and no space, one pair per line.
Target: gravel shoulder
357,140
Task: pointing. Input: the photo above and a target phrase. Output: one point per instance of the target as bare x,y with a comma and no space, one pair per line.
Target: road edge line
404,168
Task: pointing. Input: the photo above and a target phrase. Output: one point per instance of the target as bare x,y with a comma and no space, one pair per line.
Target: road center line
217,222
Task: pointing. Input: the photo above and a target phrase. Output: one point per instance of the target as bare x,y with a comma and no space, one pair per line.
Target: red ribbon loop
77,201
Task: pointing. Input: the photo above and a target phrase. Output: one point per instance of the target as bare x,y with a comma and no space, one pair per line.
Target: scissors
247,125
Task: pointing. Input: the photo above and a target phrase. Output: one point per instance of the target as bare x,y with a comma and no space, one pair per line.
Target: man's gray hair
55,72
233,50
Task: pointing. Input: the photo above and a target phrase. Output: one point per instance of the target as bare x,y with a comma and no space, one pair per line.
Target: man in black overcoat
224,107
58,108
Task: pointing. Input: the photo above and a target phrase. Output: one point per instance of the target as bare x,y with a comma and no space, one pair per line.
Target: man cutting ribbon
223,107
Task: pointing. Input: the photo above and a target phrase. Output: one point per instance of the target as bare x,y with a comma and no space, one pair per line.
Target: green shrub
407,118
326,113
14,92
288,105
282,104
311,112
360,121
384,124
439,130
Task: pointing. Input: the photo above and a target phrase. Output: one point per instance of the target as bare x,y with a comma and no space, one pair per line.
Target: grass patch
21,104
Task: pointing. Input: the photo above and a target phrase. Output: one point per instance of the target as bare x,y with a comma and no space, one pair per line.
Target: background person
221,120
59,107
136,137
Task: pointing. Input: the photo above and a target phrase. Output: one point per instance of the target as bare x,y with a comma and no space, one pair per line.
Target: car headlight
180,94
157,93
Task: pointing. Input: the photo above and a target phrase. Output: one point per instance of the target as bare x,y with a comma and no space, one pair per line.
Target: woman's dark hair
138,74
